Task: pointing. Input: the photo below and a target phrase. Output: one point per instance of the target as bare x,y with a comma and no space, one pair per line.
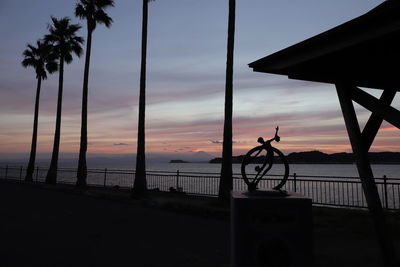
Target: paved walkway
40,227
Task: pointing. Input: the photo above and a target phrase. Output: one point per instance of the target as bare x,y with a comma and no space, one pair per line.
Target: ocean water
334,170
340,170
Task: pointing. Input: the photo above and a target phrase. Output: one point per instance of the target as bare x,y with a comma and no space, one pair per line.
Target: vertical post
20,173
105,177
385,191
177,180
295,182
6,171
37,173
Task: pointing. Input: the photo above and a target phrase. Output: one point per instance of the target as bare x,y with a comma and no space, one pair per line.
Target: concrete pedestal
271,230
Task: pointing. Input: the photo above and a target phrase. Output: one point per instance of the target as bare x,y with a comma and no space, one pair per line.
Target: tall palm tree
43,59
140,184
225,184
66,43
93,12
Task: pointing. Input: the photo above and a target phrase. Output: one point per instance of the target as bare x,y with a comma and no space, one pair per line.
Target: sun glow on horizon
185,81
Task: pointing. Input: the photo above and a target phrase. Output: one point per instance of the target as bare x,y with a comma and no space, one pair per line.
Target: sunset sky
185,81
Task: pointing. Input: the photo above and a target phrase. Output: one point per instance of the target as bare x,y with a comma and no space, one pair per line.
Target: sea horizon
332,170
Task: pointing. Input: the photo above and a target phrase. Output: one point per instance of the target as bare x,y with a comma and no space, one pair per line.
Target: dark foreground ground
41,227
57,226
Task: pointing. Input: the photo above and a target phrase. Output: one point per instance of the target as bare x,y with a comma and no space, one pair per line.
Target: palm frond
28,62
52,66
72,29
77,49
93,12
102,17
28,53
32,48
41,73
63,36
80,11
68,57
38,57
50,38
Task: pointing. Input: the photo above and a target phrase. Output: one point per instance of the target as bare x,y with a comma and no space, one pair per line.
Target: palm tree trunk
82,169
51,177
31,164
140,184
225,185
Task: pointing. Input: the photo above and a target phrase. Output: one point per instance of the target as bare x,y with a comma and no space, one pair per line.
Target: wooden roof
364,51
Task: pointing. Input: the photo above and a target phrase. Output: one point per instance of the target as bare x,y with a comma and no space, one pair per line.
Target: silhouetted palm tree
93,12
65,41
43,59
226,180
140,184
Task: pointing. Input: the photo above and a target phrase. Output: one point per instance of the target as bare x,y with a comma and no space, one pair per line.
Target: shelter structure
363,52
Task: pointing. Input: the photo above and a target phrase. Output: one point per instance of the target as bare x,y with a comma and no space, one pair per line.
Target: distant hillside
317,157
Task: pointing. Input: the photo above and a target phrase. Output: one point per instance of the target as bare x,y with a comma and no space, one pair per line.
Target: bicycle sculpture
268,161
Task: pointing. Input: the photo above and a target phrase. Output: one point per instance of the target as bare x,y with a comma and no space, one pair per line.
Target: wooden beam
375,121
360,152
371,103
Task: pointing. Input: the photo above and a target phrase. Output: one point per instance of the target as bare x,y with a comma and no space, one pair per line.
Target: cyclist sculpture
262,170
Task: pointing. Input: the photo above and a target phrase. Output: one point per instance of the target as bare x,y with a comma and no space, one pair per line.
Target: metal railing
324,190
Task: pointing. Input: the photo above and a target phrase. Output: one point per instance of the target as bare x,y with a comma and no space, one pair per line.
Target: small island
178,161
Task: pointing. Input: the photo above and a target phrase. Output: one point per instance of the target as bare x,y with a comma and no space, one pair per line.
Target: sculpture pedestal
271,230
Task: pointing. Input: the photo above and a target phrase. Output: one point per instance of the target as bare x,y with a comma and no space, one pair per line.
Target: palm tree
65,41
43,59
225,184
140,184
93,12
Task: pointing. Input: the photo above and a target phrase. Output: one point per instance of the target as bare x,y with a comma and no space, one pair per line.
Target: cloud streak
185,81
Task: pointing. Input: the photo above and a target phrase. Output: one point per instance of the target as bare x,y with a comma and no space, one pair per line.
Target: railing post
385,191
177,179
37,173
105,177
20,173
6,171
295,182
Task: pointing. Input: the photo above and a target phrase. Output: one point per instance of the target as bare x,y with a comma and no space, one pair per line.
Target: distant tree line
317,157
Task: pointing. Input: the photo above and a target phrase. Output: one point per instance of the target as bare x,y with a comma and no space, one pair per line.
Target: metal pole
177,180
20,173
105,177
37,173
295,182
385,191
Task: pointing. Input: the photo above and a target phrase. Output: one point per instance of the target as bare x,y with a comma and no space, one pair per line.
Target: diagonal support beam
374,105
375,121
360,152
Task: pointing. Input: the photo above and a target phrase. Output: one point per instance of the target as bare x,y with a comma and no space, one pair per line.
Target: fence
324,190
